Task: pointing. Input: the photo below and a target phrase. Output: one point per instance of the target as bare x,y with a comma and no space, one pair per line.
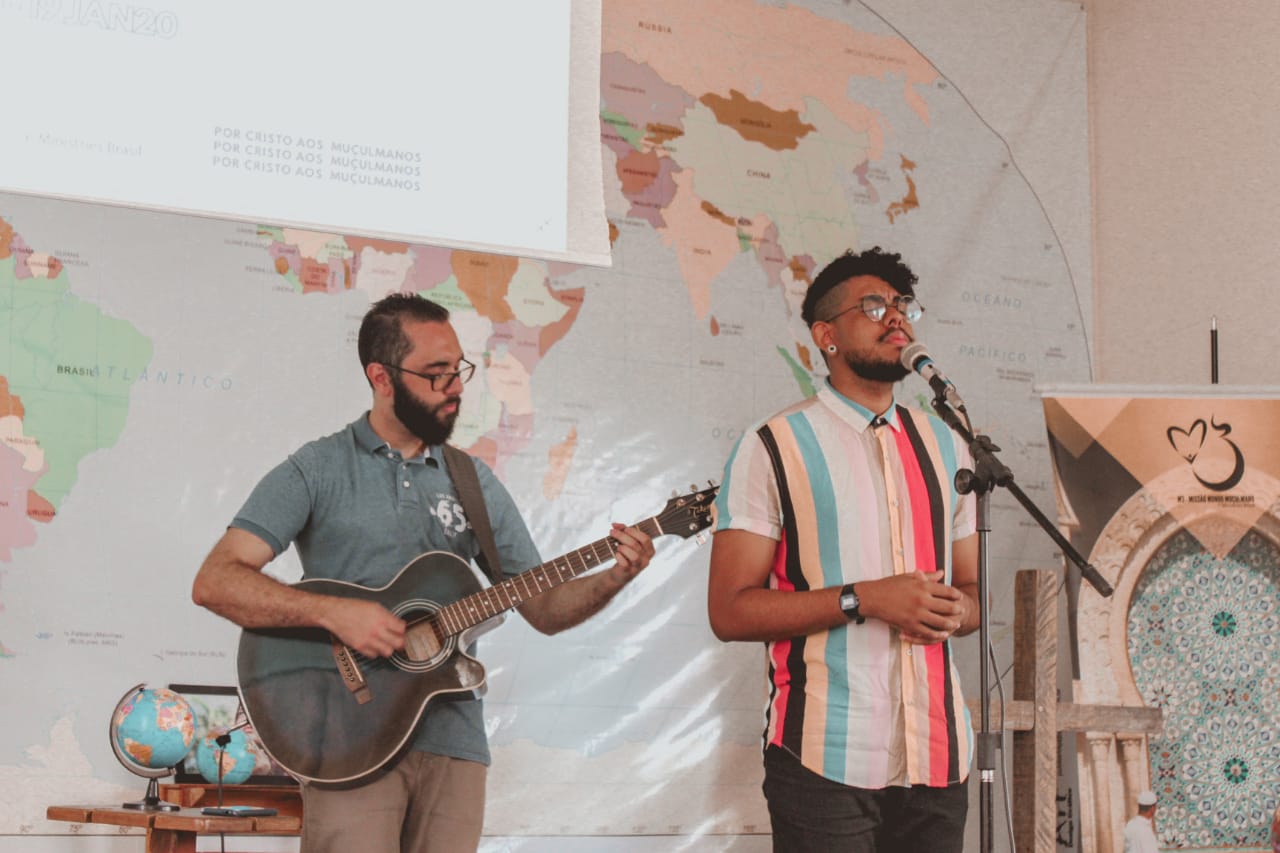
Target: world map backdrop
156,366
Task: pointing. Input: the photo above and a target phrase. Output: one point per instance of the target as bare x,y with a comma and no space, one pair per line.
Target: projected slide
427,122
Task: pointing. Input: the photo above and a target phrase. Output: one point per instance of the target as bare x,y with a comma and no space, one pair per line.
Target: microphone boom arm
990,472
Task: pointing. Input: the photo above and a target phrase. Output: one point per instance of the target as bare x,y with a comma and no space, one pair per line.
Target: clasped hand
923,608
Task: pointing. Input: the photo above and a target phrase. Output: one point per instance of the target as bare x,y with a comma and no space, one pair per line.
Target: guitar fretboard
491,601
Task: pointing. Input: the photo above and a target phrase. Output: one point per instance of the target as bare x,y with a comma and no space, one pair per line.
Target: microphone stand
223,741
989,472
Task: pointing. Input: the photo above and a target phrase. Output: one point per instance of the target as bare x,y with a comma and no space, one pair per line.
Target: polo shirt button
406,484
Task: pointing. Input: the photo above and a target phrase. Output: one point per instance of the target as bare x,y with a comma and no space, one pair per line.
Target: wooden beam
1035,679
1019,716
1122,719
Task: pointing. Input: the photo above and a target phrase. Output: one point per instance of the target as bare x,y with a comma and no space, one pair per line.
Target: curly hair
823,295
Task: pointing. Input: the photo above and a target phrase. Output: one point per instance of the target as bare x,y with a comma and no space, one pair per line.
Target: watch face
849,604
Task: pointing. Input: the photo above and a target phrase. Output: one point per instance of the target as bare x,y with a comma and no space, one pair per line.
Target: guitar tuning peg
693,487
675,493
701,539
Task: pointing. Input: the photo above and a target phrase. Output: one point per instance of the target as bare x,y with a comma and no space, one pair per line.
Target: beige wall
1185,126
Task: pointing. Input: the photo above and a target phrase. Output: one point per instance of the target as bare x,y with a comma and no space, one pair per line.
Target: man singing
842,544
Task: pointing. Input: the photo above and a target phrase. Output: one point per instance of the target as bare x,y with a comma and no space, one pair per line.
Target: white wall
1184,117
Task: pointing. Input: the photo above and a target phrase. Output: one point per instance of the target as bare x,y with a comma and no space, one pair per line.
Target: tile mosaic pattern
1204,644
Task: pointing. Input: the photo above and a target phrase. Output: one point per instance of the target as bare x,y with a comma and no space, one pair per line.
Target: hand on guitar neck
632,553
569,605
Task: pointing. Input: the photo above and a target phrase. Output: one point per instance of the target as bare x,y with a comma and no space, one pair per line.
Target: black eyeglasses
876,306
441,381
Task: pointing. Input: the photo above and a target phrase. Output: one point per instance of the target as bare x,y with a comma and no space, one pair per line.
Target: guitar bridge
351,674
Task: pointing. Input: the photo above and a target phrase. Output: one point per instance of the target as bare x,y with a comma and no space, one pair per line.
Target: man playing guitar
359,505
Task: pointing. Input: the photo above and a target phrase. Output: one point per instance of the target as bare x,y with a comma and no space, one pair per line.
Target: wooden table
175,832
285,799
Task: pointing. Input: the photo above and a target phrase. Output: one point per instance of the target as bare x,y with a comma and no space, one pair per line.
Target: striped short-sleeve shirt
850,501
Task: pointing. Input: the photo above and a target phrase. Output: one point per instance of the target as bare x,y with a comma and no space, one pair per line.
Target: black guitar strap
462,470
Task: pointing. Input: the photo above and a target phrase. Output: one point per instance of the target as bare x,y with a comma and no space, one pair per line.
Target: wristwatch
849,604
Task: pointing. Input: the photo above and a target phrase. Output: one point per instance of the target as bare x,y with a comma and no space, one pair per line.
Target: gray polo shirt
359,512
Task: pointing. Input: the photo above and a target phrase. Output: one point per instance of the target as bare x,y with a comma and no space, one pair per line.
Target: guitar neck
491,601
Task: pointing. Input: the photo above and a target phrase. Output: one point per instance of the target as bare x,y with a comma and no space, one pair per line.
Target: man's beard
422,420
876,371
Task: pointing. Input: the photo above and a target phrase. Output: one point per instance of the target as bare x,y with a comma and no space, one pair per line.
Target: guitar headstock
685,515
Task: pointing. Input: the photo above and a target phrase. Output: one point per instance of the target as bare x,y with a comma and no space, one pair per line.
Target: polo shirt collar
856,415
366,438
371,442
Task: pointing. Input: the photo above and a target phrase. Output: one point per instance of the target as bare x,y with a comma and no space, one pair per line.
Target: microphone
916,357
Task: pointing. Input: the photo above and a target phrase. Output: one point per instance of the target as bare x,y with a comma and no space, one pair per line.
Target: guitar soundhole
424,648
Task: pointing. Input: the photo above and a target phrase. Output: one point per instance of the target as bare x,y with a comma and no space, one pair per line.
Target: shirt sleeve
278,507
748,498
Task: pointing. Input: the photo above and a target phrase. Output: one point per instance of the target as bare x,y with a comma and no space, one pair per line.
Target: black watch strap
850,604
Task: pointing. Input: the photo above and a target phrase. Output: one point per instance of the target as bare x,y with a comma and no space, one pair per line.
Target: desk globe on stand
152,730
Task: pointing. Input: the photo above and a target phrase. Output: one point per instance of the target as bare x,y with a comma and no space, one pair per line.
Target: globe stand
151,801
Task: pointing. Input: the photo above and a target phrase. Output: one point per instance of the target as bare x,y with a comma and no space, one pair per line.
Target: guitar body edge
300,706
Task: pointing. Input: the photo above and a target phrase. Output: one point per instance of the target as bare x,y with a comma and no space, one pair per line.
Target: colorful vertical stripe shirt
850,501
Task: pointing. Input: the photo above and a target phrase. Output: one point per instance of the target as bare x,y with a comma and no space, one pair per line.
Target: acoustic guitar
329,714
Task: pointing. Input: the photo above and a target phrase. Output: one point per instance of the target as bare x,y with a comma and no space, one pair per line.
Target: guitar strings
452,619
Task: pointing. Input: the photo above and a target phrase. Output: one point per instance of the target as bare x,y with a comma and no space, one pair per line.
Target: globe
152,729
238,757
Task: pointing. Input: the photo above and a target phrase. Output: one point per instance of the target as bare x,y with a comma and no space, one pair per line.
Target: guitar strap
462,470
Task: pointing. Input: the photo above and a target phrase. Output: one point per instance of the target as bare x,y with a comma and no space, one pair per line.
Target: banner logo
1207,454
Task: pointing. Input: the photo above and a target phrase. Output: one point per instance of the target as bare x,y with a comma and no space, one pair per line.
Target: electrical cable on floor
1004,758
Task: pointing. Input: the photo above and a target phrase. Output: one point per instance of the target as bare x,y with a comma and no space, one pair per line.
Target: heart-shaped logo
1188,441
1216,462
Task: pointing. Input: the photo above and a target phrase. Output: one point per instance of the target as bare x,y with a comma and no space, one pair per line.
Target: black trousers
812,814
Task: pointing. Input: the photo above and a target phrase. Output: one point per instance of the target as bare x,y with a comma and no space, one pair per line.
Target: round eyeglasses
876,306
441,381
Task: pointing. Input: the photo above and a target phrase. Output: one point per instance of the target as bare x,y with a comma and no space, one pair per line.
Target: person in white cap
1140,833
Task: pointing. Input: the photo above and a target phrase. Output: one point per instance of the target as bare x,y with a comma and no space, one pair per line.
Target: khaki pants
423,804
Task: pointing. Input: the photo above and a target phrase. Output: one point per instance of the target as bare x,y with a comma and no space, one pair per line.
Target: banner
1187,452
1176,500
